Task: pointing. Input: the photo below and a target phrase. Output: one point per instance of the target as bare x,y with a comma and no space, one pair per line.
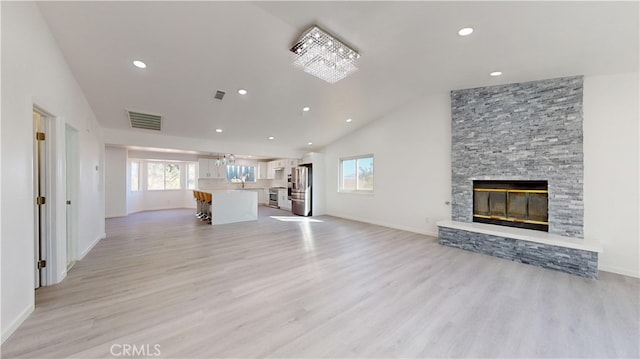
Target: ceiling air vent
145,121
219,95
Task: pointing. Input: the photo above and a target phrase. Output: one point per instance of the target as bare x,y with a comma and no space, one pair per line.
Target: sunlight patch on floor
295,219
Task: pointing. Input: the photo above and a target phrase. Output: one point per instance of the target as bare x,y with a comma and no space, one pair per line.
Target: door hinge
40,200
68,202
40,136
42,264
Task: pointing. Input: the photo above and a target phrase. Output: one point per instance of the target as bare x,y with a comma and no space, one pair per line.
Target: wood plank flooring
326,288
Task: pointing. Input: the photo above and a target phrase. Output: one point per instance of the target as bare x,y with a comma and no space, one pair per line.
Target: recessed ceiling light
139,64
306,109
309,143
465,31
218,130
496,73
271,137
242,91
349,120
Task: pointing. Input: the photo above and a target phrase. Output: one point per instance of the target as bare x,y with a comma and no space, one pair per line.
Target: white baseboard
157,209
385,224
61,276
618,270
116,215
6,332
86,251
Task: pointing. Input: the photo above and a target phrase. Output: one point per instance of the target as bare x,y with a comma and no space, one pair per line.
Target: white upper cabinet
203,168
207,169
264,170
278,164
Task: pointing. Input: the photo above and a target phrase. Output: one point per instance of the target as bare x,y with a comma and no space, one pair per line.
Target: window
161,176
239,174
135,176
191,175
356,174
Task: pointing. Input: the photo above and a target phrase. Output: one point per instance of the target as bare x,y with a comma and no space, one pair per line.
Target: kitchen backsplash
224,184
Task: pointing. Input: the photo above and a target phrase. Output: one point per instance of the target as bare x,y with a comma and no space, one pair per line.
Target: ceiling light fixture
495,73
226,159
309,143
306,109
242,92
320,54
465,31
271,137
218,130
139,64
349,120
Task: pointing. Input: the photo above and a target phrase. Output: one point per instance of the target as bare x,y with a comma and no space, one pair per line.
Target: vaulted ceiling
408,50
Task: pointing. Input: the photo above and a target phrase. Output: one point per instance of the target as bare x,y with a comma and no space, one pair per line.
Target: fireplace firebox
522,204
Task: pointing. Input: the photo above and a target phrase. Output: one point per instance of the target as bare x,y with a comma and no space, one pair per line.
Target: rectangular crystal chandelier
320,54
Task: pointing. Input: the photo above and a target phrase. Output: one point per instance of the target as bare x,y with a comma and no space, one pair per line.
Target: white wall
412,165
611,199
35,72
143,138
115,181
143,200
3,335
155,200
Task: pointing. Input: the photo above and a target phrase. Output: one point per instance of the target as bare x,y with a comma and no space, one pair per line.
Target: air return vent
219,95
145,121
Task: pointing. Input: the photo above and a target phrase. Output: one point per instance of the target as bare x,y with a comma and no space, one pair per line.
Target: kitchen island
232,206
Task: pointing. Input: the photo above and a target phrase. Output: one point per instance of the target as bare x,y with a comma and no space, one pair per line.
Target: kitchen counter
232,206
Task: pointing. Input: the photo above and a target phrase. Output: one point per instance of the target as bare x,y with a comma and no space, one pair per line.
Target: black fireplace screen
522,204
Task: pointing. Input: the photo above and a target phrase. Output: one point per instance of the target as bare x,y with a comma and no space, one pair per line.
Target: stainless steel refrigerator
301,190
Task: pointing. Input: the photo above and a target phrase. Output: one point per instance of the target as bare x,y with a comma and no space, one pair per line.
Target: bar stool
198,205
203,206
208,202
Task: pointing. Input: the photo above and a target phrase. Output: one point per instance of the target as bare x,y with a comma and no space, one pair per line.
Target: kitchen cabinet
278,164
207,169
263,170
270,171
289,163
263,196
283,199
276,169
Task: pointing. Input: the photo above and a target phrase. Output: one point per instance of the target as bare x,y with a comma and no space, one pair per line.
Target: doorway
72,182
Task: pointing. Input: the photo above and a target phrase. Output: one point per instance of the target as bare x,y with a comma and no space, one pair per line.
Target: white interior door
71,177
40,196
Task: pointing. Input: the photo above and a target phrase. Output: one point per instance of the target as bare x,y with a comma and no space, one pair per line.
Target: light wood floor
334,288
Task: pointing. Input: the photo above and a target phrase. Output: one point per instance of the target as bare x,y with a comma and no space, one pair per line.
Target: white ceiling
408,50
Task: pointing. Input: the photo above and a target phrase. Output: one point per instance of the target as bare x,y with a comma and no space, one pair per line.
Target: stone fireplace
517,161
521,132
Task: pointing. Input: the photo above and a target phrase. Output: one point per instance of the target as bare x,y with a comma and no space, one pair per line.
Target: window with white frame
163,176
241,174
135,176
356,174
192,175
